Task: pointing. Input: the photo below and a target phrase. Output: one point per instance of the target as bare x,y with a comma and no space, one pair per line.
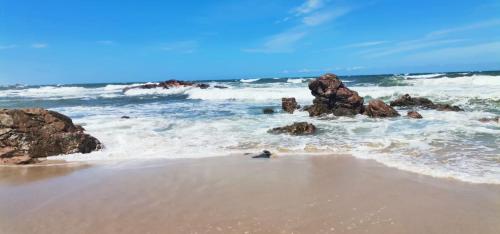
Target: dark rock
378,109
125,117
333,97
297,128
220,87
27,134
264,154
169,84
414,115
268,111
409,102
487,120
289,105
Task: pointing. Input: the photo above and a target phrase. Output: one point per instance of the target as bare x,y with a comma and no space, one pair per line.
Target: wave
424,76
249,80
295,80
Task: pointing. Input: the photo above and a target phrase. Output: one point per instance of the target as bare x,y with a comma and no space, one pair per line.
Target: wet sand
299,194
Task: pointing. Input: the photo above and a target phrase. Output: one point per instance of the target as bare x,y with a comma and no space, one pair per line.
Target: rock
414,115
168,84
297,128
408,101
333,97
264,154
289,105
125,117
268,111
27,134
378,109
220,87
488,120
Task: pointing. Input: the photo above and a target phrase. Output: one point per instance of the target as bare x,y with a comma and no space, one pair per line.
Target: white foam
296,81
424,76
249,80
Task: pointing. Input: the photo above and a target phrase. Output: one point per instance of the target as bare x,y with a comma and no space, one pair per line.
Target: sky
97,41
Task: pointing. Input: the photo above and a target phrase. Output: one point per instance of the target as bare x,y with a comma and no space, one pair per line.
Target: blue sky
66,41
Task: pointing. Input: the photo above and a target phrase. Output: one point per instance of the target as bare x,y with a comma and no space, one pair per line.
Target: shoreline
236,194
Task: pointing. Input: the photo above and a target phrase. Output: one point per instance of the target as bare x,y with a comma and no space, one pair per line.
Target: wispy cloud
106,42
407,46
279,43
39,45
312,13
187,47
6,47
325,16
365,44
469,27
307,7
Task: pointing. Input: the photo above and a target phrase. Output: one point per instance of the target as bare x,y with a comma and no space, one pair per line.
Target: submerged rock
125,117
488,120
289,105
27,134
414,115
378,109
408,101
264,154
333,97
169,84
297,128
220,87
268,111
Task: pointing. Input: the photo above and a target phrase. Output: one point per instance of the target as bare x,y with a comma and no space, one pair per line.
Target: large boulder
406,101
170,84
378,109
289,105
333,97
297,128
27,134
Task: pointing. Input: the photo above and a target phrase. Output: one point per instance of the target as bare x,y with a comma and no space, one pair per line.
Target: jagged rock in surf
378,109
289,105
297,128
28,134
414,115
333,97
169,84
407,101
268,111
264,154
489,120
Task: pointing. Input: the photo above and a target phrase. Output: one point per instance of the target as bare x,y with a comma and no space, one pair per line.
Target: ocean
193,123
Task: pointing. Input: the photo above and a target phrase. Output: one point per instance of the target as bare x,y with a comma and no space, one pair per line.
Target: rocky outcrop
28,134
289,105
333,97
414,115
490,120
407,101
268,111
297,128
378,109
170,84
264,154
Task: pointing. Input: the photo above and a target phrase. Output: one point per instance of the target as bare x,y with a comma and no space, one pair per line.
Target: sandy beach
299,194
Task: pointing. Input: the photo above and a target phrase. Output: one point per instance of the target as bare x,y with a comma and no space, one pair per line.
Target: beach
237,194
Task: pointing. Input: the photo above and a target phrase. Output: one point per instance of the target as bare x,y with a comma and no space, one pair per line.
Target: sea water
192,122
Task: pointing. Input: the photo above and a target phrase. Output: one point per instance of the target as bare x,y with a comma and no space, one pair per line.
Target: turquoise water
191,122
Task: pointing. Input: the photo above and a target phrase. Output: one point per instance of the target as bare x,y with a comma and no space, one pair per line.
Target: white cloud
39,45
365,44
407,46
475,26
307,7
325,16
476,52
5,47
187,47
279,43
